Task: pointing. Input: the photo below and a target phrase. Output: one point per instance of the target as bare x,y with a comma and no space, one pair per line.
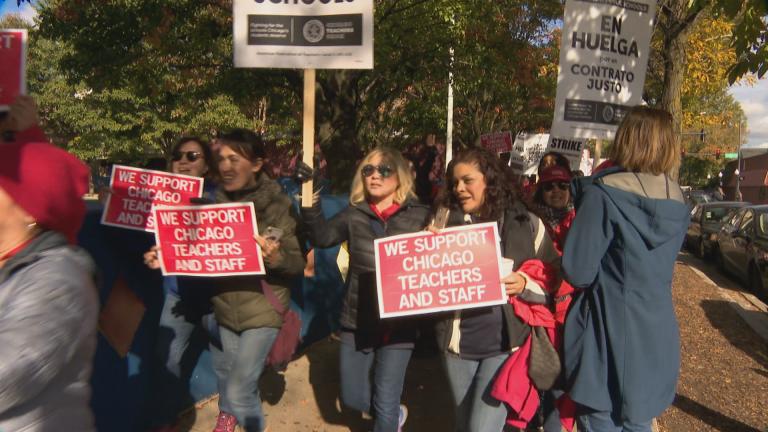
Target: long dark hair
498,192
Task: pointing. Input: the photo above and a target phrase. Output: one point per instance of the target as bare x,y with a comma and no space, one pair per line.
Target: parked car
706,220
695,197
742,247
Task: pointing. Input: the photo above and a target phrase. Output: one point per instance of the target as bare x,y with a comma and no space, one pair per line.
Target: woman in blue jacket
622,346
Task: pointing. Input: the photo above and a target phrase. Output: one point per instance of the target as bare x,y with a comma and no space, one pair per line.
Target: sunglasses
191,156
384,170
549,187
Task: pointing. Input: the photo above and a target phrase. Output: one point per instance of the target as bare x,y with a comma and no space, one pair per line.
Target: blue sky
9,6
754,100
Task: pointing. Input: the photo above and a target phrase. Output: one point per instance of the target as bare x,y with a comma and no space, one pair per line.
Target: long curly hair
498,194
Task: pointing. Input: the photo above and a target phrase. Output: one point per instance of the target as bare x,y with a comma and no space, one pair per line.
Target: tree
175,58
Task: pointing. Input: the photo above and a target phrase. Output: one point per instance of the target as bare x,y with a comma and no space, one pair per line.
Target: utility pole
738,166
449,130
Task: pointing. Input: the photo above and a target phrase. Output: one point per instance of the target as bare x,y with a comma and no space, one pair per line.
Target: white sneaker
402,417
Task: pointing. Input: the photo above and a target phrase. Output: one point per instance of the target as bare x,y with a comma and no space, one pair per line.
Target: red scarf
387,212
11,253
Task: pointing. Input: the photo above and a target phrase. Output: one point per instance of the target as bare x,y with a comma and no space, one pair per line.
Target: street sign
731,155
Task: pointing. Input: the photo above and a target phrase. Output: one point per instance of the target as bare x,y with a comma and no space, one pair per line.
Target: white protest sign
306,34
527,151
603,59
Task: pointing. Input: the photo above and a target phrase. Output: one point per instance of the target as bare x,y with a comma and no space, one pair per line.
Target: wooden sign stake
308,133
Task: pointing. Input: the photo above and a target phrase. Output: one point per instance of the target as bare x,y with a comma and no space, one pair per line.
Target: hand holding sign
152,258
270,250
514,283
21,116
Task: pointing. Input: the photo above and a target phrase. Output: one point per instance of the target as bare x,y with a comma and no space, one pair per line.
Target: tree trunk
674,65
676,19
337,125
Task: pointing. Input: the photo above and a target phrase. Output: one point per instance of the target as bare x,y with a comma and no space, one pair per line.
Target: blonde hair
393,158
645,142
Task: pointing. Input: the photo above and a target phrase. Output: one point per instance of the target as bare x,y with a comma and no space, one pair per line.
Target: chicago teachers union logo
313,31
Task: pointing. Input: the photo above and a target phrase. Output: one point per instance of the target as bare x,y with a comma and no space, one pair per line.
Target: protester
622,347
248,324
186,308
48,297
382,204
477,342
553,204
423,157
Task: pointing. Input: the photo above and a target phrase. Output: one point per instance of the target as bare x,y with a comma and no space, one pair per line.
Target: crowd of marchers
587,336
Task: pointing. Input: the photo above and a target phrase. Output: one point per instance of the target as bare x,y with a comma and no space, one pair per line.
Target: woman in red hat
48,299
552,203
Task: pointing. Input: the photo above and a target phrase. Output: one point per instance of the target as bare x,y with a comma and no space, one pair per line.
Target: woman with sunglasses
478,342
621,337
186,308
552,203
382,204
247,322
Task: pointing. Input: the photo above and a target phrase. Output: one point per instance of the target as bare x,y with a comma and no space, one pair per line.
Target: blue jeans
601,421
245,354
549,410
178,321
471,382
389,365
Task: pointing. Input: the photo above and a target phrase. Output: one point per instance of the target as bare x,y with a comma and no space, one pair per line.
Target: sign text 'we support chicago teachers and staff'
423,272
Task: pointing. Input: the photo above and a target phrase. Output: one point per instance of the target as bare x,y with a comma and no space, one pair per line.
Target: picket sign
13,55
210,240
308,36
458,268
134,191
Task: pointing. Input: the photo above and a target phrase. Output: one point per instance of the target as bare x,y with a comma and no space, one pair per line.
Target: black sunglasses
384,170
563,186
191,156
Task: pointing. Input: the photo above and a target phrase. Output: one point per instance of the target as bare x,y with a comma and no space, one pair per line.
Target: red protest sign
135,191
211,240
497,142
425,272
13,47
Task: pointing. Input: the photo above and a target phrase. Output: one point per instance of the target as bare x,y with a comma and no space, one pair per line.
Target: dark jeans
244,356
389,366
179,320
549,410
600,421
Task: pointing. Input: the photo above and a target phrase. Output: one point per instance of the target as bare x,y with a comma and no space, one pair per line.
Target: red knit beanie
47,182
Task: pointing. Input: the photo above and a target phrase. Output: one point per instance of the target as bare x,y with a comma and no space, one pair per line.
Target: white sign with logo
603,59
310,34
527,152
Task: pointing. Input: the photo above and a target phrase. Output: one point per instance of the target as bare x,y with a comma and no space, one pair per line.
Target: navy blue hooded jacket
622,344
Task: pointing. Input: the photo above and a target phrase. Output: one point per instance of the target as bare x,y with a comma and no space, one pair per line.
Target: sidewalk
722,387
724,370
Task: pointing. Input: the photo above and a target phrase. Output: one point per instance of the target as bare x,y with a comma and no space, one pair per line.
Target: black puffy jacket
355,225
